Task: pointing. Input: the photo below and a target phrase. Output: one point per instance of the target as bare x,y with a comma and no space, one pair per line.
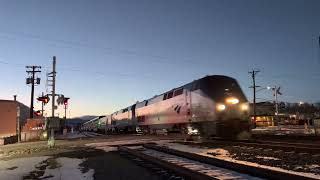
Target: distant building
263,109
9,112
289,113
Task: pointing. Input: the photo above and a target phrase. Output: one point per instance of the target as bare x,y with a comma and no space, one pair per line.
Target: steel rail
242,168
179,170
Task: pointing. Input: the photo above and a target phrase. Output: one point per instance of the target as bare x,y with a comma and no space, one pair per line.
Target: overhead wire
161,59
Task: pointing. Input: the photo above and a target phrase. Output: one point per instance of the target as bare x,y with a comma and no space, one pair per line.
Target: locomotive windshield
221,87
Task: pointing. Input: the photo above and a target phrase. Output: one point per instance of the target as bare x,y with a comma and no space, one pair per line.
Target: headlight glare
221,107
232,100
244,107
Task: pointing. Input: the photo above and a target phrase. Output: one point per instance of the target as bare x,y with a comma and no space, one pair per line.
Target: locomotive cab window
165,96
178,92
170,94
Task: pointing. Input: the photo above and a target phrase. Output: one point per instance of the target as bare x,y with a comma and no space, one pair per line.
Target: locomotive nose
232,104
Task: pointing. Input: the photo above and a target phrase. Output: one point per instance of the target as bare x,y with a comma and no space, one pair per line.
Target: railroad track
183,165
276,145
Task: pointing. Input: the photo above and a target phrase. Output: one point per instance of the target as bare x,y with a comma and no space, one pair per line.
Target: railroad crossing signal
276,90
60,99
44,99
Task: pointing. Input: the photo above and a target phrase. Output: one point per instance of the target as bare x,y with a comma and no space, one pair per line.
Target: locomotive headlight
232,100
244,107
221,107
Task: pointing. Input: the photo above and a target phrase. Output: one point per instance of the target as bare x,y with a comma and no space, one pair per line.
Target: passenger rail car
210,106
97,124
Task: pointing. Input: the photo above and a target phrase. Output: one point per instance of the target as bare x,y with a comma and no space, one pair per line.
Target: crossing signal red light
37,113
44,99
65,101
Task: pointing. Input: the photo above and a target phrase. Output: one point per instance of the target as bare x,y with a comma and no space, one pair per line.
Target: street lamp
268,88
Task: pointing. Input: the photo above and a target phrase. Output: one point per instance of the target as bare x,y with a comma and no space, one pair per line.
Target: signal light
44,99
65,101
221,107
37,113
232,100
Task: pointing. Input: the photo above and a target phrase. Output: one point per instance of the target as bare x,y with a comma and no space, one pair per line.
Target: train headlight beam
221,107
232,100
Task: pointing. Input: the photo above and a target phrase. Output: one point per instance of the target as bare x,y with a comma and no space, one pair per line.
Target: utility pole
253,75
275,94
18,118
31,80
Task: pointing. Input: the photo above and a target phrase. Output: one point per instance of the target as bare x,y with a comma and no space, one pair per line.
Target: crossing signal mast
65,103
44,100
276,92
62,100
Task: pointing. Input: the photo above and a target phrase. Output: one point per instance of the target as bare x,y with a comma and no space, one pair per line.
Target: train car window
178,92
170,94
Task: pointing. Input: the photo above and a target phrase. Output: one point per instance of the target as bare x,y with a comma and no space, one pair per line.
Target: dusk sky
112,53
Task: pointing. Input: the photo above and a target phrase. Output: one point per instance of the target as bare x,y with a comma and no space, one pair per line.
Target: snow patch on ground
69,170
218,152
206,152
66,169
285,130
15,169
313,166
267,158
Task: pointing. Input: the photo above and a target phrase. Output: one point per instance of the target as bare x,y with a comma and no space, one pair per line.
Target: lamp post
267,87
